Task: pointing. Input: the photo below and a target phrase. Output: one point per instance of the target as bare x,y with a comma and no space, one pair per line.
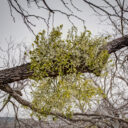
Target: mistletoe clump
53,55
58,65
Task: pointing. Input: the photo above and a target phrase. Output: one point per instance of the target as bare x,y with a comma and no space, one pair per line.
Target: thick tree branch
117,44
23,72
15,74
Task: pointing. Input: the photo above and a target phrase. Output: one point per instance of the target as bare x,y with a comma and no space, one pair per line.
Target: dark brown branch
23,72
117,44
47,6
15,74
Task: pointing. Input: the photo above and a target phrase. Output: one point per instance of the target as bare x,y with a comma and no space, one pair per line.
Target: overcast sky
19,32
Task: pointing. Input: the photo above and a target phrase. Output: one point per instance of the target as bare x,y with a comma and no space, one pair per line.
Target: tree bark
23,71
117,44
15,74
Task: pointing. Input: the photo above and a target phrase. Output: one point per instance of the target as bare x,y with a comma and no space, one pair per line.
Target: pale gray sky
19,32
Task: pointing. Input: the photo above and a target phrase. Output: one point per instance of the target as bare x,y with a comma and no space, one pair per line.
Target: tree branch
23,71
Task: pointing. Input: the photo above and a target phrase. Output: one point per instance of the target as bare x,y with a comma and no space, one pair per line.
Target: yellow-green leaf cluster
65,59
63,95
57,56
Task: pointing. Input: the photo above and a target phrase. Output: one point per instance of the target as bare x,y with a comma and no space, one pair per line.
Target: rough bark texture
22,72
15,74
117,44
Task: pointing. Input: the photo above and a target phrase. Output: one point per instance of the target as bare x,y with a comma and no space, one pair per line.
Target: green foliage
64,95
66,59
54,55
